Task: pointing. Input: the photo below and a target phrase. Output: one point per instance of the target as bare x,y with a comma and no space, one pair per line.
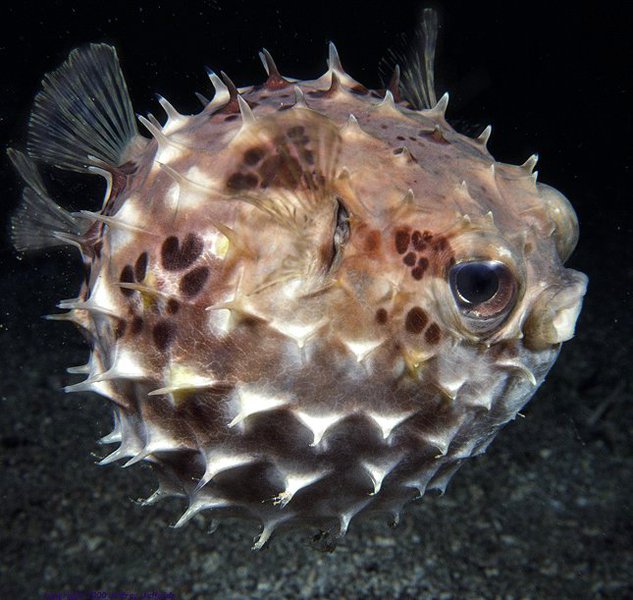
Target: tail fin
83,115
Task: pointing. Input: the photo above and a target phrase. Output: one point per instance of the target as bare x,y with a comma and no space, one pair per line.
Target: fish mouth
554,313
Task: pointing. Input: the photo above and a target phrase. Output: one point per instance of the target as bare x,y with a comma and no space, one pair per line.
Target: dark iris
476,282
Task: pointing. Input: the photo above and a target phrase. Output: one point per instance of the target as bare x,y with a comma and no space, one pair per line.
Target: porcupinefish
311,300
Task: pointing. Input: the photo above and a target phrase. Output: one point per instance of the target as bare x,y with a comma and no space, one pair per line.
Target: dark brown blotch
409,259
241,181
433,334
140,267
282,172
163,334
402,241
417,273
381,316
193,282
127,276
416,320
176,257
372,241
173,306
253,156
418,241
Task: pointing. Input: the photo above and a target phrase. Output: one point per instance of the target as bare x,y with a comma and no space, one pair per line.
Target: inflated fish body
308,301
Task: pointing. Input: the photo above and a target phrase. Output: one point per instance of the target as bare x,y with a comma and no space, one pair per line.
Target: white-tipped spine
246,112
484,136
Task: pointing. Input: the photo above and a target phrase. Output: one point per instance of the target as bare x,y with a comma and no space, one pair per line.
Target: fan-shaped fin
83,115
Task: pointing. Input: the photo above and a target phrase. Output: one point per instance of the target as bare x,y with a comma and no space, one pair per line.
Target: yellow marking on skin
181,380
414,361
149,300
220,245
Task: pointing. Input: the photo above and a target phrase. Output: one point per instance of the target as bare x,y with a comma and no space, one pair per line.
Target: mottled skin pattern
270,370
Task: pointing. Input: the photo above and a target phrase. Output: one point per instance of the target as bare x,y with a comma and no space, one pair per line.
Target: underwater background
545,513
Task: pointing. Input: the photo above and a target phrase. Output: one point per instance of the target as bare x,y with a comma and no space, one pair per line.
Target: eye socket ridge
483,289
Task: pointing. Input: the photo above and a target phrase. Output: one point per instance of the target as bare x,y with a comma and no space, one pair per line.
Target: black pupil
476,282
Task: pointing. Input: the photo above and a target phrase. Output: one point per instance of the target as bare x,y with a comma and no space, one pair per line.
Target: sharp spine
484,136
245,110
334,61
530,163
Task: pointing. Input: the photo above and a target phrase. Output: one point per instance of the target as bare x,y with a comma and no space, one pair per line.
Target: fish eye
483,289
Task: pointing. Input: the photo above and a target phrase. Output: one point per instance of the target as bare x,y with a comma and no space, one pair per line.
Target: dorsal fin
83,115
417,80
39,222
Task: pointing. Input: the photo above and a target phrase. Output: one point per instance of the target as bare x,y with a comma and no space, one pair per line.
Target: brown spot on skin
409,259
418,241
381,316
402,241
283,172
401,138
241,181
372,241
163,334
417,273
416,320
127,276
140,267
176,257
253,156
231,118
423,263
136,325
173,306
433,334
193,282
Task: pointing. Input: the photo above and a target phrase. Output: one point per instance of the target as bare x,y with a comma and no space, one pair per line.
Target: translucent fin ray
39,222
83,115
417,78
